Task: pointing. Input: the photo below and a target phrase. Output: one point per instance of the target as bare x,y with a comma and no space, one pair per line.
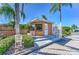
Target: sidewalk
63,47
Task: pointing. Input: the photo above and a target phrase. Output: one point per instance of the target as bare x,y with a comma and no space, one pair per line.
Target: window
38,27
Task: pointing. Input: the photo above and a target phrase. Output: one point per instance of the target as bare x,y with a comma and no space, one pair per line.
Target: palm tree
58,7
18,37
13,13
17,30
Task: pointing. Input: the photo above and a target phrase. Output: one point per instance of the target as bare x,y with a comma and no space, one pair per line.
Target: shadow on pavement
63,41
43,53
77,49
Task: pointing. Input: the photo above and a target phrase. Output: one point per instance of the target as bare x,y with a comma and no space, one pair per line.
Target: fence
6,31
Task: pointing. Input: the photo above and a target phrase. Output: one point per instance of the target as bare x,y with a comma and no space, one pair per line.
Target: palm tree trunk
17,18
60,27
22,7
18,37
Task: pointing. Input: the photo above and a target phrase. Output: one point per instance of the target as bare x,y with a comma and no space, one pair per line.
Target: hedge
6,43
2,37
28,41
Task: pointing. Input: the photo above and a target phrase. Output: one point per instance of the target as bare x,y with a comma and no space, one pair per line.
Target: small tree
74,26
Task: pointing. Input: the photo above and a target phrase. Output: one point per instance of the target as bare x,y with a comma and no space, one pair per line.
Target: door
46,30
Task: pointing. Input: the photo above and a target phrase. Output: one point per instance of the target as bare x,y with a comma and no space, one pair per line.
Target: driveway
66,46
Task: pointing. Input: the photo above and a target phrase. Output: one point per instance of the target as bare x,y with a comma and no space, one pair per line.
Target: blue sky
35,10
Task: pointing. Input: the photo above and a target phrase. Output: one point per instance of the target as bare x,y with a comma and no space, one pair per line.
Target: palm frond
23,14
54,7
22,11
44,17
22,7
6,10
67,4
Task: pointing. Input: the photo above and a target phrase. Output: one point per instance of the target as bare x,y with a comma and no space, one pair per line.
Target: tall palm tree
18,41
13,13
58,7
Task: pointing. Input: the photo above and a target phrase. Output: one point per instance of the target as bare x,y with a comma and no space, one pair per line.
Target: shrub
66,30
25,26
4,36
6,43
28,41
1,38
